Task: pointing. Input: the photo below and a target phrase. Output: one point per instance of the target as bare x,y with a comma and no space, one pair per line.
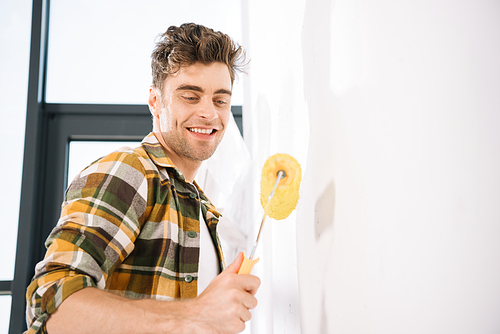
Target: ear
154,102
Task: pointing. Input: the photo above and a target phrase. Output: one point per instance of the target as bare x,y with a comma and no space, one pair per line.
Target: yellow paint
286,195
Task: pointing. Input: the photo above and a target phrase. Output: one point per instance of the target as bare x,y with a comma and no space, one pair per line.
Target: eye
221,102
190,98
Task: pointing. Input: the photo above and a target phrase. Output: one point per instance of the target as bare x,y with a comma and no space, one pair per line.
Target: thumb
235,266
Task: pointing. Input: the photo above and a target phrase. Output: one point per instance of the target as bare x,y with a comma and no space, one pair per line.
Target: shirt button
188,278
191,234
192,195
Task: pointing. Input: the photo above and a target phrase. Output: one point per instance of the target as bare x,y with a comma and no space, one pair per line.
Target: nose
207,110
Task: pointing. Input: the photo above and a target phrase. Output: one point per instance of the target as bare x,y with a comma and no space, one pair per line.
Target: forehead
211,77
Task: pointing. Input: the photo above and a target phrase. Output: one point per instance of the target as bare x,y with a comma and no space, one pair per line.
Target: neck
188,167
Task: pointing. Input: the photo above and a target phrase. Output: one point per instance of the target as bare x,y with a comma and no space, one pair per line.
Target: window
81,93
82,153
14,64
108,61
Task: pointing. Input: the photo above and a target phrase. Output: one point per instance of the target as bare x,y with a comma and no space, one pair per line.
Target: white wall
393,110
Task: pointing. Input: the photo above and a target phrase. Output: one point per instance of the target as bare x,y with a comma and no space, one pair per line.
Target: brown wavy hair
191,43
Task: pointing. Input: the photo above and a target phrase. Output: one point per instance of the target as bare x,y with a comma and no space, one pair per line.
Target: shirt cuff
45,294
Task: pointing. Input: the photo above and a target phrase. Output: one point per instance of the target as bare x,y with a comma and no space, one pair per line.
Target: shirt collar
205,201
156,152
154,149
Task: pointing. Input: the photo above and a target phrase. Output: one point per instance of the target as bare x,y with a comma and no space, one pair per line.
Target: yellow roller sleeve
286,195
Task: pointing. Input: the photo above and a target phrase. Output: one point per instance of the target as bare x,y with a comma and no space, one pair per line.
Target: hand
222,308
225,305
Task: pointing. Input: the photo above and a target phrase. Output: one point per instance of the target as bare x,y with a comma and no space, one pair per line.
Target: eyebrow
201,90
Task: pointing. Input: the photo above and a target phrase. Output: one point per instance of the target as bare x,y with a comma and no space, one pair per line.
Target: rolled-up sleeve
101,217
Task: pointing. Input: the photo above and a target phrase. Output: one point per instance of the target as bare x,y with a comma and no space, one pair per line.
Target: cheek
224,117
168,119
165,121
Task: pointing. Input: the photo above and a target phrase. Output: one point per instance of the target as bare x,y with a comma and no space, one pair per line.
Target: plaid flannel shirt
129,225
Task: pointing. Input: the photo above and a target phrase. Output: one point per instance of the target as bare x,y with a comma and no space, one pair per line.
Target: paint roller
279,194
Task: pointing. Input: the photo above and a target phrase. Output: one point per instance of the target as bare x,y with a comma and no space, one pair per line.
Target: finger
245,315
250,302
251,283
235,266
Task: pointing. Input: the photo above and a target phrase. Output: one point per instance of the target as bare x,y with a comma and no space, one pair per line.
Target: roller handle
247,265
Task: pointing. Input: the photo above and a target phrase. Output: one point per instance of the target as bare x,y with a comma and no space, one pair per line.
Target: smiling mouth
202,131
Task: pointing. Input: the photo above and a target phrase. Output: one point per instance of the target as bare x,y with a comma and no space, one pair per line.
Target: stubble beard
182,147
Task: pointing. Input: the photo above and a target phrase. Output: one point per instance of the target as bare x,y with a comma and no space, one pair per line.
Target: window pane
99,51
15,24
5,302
83,153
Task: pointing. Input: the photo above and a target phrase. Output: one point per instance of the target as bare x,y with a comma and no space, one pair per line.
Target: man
136,247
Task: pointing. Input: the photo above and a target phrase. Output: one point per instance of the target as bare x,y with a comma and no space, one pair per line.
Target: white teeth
204,131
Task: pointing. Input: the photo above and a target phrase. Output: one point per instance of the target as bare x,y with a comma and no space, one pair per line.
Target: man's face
195,107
